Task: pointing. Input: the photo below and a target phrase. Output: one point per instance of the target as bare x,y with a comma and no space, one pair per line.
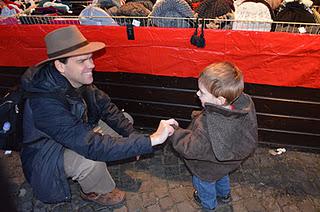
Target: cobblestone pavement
160,182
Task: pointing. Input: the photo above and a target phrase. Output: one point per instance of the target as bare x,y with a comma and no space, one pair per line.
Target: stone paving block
129,183
246,191
290,208
253,205
161,192
225,208
143,164
61,207
171,171
172,210
236,193
154,208
135,203
186,206
156,160
178,194
185,181
166,203
146,186
142,175
134,196
149,199
159,182
307,205
126,166
284,200
316,202
239,207
86,208
183,170
122,209
270,204
39,210
311,188
249,163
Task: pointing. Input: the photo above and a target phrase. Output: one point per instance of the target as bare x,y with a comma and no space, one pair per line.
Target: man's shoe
114,197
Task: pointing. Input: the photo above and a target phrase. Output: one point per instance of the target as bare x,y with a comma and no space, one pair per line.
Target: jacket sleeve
111,114
192,143
58,123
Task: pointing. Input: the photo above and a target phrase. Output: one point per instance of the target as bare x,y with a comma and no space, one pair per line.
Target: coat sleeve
192,143
112,115
59,124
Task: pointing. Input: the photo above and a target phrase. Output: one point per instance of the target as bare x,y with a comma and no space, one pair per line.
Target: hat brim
87,49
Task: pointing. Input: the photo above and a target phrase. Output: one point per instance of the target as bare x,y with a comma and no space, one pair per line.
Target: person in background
255,15
62,138
220,137
221,10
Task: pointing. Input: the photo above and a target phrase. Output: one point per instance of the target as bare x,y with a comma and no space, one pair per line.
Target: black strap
202,28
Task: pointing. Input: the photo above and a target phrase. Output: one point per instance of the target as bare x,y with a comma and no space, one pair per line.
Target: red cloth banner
281,59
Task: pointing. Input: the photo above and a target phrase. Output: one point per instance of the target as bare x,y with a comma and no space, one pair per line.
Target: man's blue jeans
208,191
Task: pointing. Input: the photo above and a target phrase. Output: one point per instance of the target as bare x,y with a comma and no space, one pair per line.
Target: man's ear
59,66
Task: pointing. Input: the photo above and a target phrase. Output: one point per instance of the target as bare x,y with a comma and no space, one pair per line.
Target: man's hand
165,129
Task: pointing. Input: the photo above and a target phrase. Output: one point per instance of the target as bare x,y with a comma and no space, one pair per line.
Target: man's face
78,70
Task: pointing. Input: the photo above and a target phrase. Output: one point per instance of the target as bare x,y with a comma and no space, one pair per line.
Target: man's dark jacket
53,124
218,139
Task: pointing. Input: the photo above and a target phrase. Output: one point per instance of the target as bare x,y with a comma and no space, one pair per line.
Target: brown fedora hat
68,42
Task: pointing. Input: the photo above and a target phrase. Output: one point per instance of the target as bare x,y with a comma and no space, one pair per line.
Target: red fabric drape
280,59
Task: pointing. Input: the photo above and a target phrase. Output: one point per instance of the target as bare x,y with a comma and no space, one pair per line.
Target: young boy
221,136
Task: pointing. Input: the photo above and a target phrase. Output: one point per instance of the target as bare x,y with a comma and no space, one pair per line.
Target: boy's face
206,97
78,70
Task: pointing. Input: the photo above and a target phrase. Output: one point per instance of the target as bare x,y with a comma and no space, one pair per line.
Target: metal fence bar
169,22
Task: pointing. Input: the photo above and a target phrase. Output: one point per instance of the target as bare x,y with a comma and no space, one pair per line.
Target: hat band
70,49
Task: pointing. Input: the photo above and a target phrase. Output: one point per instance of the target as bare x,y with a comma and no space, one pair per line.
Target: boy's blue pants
208,191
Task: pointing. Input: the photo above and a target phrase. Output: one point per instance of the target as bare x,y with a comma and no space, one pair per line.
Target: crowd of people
257,15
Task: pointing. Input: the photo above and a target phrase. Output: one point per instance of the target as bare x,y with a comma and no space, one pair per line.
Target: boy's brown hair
223,79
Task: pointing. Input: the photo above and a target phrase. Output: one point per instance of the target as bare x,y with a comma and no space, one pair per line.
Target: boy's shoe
198,201
224,200
196,198
221,202
114,197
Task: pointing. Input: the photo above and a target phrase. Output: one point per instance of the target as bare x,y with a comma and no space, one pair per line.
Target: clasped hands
165,129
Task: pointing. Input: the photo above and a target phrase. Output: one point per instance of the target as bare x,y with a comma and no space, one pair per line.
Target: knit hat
87,17
133,9
214,8
171,8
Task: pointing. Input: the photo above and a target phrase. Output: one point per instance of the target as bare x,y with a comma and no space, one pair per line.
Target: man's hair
223,79
63,60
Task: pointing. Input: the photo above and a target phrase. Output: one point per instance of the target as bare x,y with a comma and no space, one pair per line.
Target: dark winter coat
218,139
51,125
